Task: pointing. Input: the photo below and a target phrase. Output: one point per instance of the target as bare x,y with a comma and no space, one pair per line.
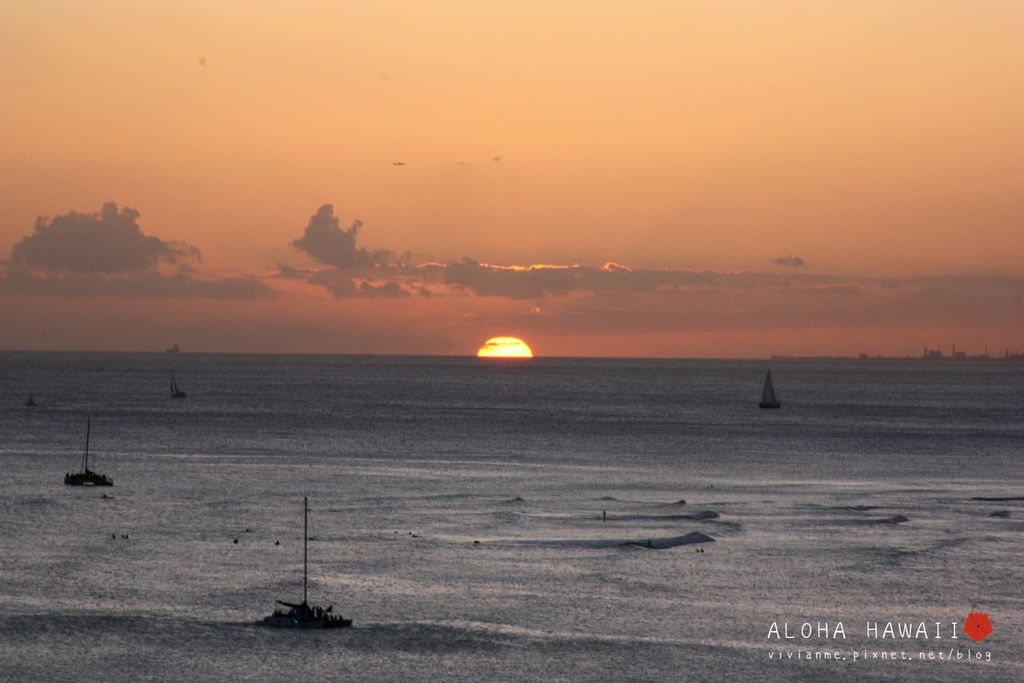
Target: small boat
172,349
303,614
175,391
31,402
87,477
768,397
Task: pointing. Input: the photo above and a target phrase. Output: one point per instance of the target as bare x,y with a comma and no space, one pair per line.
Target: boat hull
769,405
291,622
88,480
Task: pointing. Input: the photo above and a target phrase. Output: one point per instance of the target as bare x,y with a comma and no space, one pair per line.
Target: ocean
555,519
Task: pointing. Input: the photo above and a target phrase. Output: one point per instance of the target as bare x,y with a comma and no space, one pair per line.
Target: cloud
108,241
790,261
536,281
325,241
287,272
736,295
516,282
758,301
137,285
106,254
614,298
342,285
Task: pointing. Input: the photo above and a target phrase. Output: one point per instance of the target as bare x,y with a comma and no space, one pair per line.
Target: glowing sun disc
504,347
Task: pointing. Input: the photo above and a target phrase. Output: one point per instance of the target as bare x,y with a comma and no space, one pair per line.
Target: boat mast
85,458
305,545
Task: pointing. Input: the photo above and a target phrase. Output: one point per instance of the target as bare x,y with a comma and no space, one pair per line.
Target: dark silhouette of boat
768,397
175,391
172,349
31,402
87,477
303,614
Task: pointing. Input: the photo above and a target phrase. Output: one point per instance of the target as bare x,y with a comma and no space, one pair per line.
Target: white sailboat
768,397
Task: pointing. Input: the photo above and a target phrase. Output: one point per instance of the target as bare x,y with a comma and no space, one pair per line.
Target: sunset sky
697,179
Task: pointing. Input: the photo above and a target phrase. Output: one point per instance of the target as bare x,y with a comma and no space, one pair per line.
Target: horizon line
777,357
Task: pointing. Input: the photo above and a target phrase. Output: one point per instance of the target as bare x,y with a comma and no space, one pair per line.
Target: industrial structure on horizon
936,354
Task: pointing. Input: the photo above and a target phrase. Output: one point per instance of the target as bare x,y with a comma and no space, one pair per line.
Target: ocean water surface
546,520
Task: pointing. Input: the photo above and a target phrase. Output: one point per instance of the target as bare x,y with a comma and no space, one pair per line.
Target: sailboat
87,477
175,391
31,402
305,615
768,397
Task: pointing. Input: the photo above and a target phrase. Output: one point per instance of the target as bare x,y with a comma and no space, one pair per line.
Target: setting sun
504,347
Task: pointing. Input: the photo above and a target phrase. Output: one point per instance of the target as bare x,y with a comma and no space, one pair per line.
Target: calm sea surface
856,502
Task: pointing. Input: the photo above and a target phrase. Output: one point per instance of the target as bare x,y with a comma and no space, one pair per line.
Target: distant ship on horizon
173,348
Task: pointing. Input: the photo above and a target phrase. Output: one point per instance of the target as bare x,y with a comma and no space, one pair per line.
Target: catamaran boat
87,477
303,614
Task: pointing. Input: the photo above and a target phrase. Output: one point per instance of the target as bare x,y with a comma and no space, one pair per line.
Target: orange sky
881,143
